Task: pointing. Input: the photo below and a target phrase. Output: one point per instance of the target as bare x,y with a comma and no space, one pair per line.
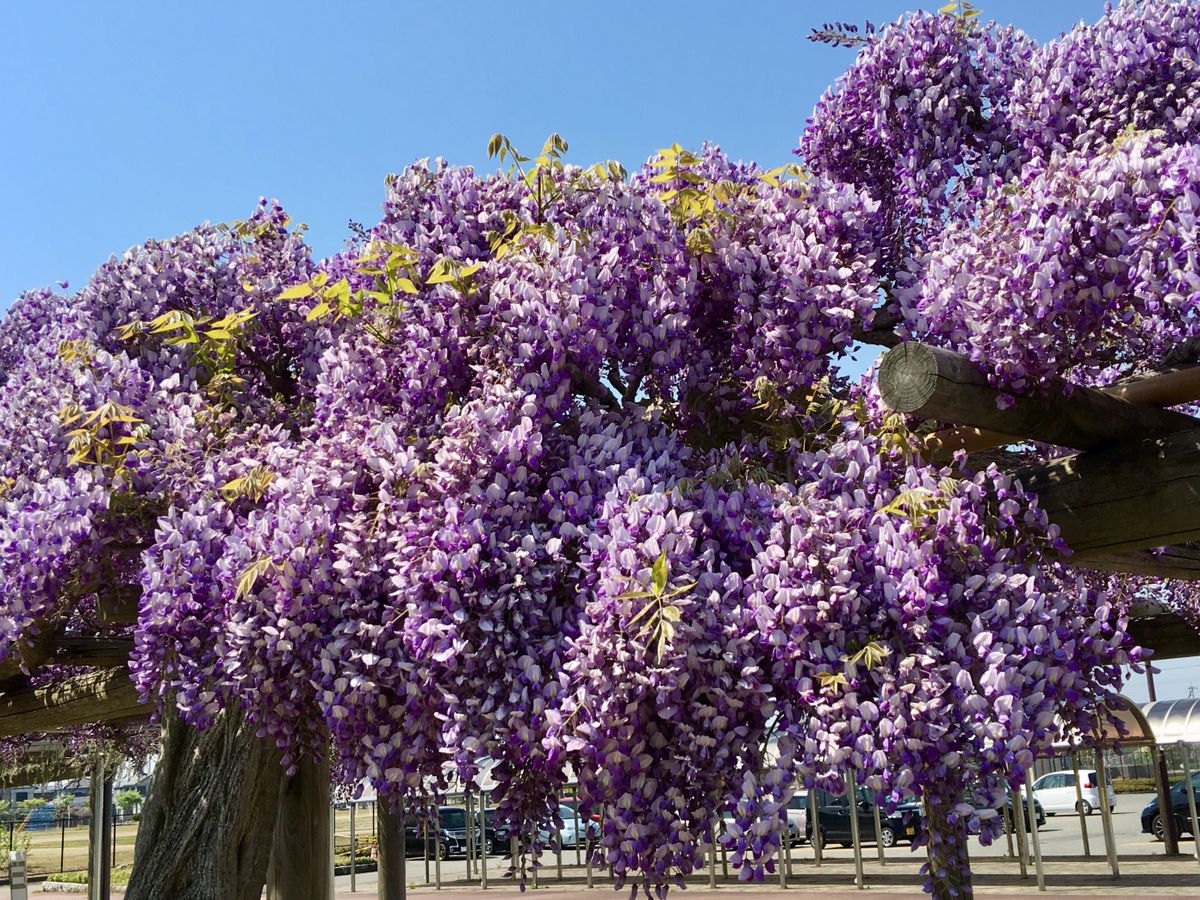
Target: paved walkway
1143,876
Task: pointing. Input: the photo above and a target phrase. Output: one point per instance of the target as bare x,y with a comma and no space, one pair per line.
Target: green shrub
1133,785
120,875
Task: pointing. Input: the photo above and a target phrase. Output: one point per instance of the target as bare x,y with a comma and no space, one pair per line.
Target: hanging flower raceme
1085,262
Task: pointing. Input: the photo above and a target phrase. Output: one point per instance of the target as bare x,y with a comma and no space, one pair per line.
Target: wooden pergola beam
1138,496
1170,636
948,387
101,696
92,651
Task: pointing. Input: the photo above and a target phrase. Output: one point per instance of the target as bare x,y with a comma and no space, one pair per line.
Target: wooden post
300,861
391,850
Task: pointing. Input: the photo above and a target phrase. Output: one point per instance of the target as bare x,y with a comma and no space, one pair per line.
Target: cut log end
908,377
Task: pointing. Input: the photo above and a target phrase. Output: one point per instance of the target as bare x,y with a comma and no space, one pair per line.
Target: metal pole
1018,808
1037,841
590,851
469,834
724,854
1191,797
854,837
1110,848
814,807
62,850
787,849
878,831
587,834
437,848
712,856
483,838
558,852
1087,848
1008,829
425,831
786,837
353,849
483,858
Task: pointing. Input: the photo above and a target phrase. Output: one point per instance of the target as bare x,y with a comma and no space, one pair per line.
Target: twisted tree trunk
207,825
949,876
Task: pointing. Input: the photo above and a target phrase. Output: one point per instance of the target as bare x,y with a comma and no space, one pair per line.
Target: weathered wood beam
92,651
939,384
1166,562
100,696
30,653
1137,496
1170,637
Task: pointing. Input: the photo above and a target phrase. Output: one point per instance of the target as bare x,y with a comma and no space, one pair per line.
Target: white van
1056,792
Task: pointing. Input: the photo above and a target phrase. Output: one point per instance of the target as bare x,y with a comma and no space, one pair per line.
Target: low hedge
1134,785
120,875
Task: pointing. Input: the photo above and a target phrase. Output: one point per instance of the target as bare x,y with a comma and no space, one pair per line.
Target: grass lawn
53,850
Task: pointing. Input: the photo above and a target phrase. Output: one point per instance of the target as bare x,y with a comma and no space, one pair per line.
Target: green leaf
641,613
321,310
296,292
658,574
251,575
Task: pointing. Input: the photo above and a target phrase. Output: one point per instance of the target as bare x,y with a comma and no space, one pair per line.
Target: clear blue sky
128,120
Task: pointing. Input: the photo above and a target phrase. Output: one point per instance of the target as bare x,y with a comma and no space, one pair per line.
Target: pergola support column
392,884
300,863
100,845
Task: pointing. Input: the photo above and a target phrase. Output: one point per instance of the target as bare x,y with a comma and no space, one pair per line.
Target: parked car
797,813
499,836
1152,821
1038,810
576,832
448,838
1056,792
899,826
795,828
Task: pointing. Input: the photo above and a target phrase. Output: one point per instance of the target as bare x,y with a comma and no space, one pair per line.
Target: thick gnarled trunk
207,825
949,875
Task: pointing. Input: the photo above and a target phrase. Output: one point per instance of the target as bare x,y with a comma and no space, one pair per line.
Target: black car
1039,812
448,834
900,826
1152,822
